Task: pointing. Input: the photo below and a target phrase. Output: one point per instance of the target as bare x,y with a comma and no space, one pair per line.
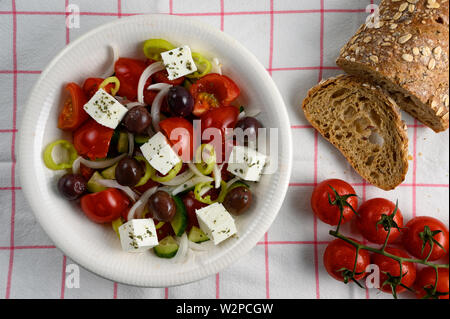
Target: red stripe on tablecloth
166,293
13,157
305,68
367,185
222,15
63,277
67,27
8,131
316,147
27,247
217,286
115,288
170,6
414,186
119,8
192,13
266,236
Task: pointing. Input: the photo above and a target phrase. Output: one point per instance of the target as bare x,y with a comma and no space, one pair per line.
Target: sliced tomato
86,172
149,96
128,71
212,91
91,86
164,231
105,206
192,205
150,184
73,113
214,125
180,134
163,77
92,140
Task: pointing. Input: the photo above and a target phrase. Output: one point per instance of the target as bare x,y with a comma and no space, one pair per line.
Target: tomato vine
388,223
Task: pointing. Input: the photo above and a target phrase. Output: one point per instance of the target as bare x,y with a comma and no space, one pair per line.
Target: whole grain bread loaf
363,122
406,52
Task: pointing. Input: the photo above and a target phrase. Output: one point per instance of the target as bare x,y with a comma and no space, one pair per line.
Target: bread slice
363,122
406,52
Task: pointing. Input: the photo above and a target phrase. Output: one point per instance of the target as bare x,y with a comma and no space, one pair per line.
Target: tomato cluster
380,222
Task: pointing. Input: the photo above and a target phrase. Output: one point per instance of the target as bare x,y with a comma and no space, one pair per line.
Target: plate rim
25,142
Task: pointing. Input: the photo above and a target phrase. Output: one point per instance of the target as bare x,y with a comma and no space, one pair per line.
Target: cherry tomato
164,231
163,77
191,205
180,134
390,271
105,206
370,213
221,119
86,172
431,230
73,113
150,184
149,96
321,206
339,260
128,71
92,140
91,86
212,91
426,280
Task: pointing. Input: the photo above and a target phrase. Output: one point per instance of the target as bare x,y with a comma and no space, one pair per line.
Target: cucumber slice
110,172
141,140
122,144
197,235
93,186
179,222
167,248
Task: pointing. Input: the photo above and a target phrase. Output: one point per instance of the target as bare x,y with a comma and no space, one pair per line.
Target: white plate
96,247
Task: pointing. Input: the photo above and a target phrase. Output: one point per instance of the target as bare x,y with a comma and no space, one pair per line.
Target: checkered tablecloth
297,41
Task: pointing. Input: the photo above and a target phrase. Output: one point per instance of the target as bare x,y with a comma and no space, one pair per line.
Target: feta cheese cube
105,109
246,163
179,62
138,235
158,152
216,222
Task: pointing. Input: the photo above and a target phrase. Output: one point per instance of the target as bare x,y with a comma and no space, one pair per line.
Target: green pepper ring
200,60
210,163
149,171
48,158
171,175
154,47
114,80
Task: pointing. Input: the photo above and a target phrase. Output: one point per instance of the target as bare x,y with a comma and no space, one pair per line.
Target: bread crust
392,108
406,53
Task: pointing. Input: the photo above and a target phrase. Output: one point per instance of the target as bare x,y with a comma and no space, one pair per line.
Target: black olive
129,171
72,186
137,120
162,206
238,200
250,126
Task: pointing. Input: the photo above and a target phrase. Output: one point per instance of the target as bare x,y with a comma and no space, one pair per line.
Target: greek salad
135,160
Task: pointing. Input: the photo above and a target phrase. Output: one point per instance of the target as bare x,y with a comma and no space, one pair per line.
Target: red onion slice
142,201
148,72
114,184
156,106
102,164
180,179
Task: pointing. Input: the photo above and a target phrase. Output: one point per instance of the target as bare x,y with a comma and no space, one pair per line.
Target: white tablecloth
297,41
